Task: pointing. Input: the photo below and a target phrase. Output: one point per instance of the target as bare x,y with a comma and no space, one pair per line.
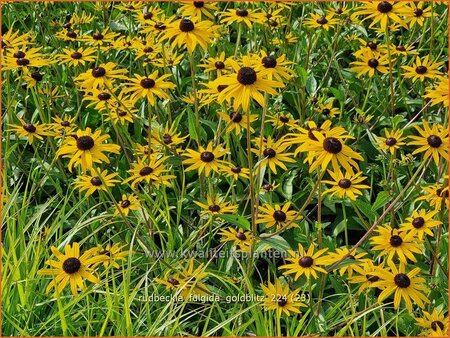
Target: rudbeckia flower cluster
202,168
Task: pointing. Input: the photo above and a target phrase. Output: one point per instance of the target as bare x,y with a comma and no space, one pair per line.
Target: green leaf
191,125
366,210
237,220
276,242
311,84
382,199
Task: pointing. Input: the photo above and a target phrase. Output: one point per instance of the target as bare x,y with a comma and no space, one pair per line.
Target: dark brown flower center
373,63
284,119
236,170
207,156
437,324
148,15
267,186
219,65
199,4
221,87
104,96
269,152
214,208
76,55
401,48
279,216
322,20
167,139
269,62
19,54
71,34
434,141
145,171
173,281
98,72
67,25
236,117
147,83
241,12
390,141
384,7
339,11
160,26
97,36
332,145
421,70
241,236
311,134
186,25
306,261
372,278
65,123
85,142
402,280
418,222
71,265
395,241
37,76
22,62
345,183
96,181
418,12
282,301
246,76
372,45
121,113
326,111
29,127
125,203
147,50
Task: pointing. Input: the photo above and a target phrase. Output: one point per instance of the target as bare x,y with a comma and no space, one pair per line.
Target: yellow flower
421,223
322,21
149,87
382,12
422,69
152,171
246,83
277,215
274,153
370,63
206,159
435,323
306,262
75,57
235,121
438,93
433,141
395,242
242,239
347,185
31,131
246,16
190,33
406,286
356,258
392,141
86,148
216,206
94,182
281,299
71,268
100,77
113,254
126,204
